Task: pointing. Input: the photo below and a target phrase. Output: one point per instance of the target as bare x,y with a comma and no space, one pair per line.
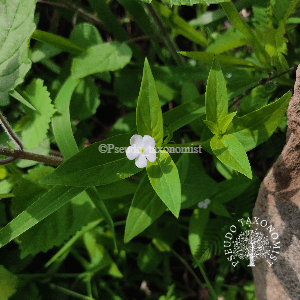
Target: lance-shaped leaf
164,178
149,120
145,208
256,127
109,56
100,163
224,60
231,152
44,206
216,102
16,27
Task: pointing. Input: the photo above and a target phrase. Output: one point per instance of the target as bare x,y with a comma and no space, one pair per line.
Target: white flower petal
200,204
132,152
136,139
141,161
148,141
150,153
205,206
207,201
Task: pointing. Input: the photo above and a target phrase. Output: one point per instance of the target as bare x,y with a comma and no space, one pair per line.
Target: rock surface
278,203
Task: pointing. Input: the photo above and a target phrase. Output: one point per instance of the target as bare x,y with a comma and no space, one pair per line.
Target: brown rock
278,203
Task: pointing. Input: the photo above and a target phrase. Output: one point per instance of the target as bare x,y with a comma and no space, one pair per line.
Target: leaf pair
226,147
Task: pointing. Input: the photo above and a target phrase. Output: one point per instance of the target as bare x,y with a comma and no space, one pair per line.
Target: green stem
170,45
70,293
188,267
207,281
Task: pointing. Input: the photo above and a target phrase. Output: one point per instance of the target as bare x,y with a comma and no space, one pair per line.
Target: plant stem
70,293
261,82
207,281
171,46
20,154
188,267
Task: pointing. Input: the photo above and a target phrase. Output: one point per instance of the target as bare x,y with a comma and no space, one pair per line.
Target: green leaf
197,227
61,122
224,60
69,218
164,178
216,101
85,99
8,283
95,167
146,207
256,127
149,119
240,24
180,25
114,56
189,2
149,259
185,113
86,35
196,184
16,27
57,41
44,206
17,96
225,121
36,129
214,128
231,152
229,40
219,209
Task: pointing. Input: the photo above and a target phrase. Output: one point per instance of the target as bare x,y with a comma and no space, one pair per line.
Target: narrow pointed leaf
164,178
149,118
216,101
145,208
92,167
231,152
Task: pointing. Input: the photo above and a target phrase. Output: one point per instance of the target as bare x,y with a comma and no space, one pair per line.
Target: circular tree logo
251,244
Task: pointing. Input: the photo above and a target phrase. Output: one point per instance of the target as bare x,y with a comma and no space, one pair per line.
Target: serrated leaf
69,218
16,27
44,206
164,178
145,208
114,56
149,119
231,152
36,129
8,283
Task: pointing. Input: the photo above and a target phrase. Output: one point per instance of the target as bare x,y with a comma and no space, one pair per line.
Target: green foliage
179,74
16,27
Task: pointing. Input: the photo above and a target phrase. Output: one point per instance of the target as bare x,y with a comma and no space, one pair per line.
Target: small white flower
204,205
207,201
141,149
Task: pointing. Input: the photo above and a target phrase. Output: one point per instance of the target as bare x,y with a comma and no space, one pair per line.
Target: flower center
142,150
